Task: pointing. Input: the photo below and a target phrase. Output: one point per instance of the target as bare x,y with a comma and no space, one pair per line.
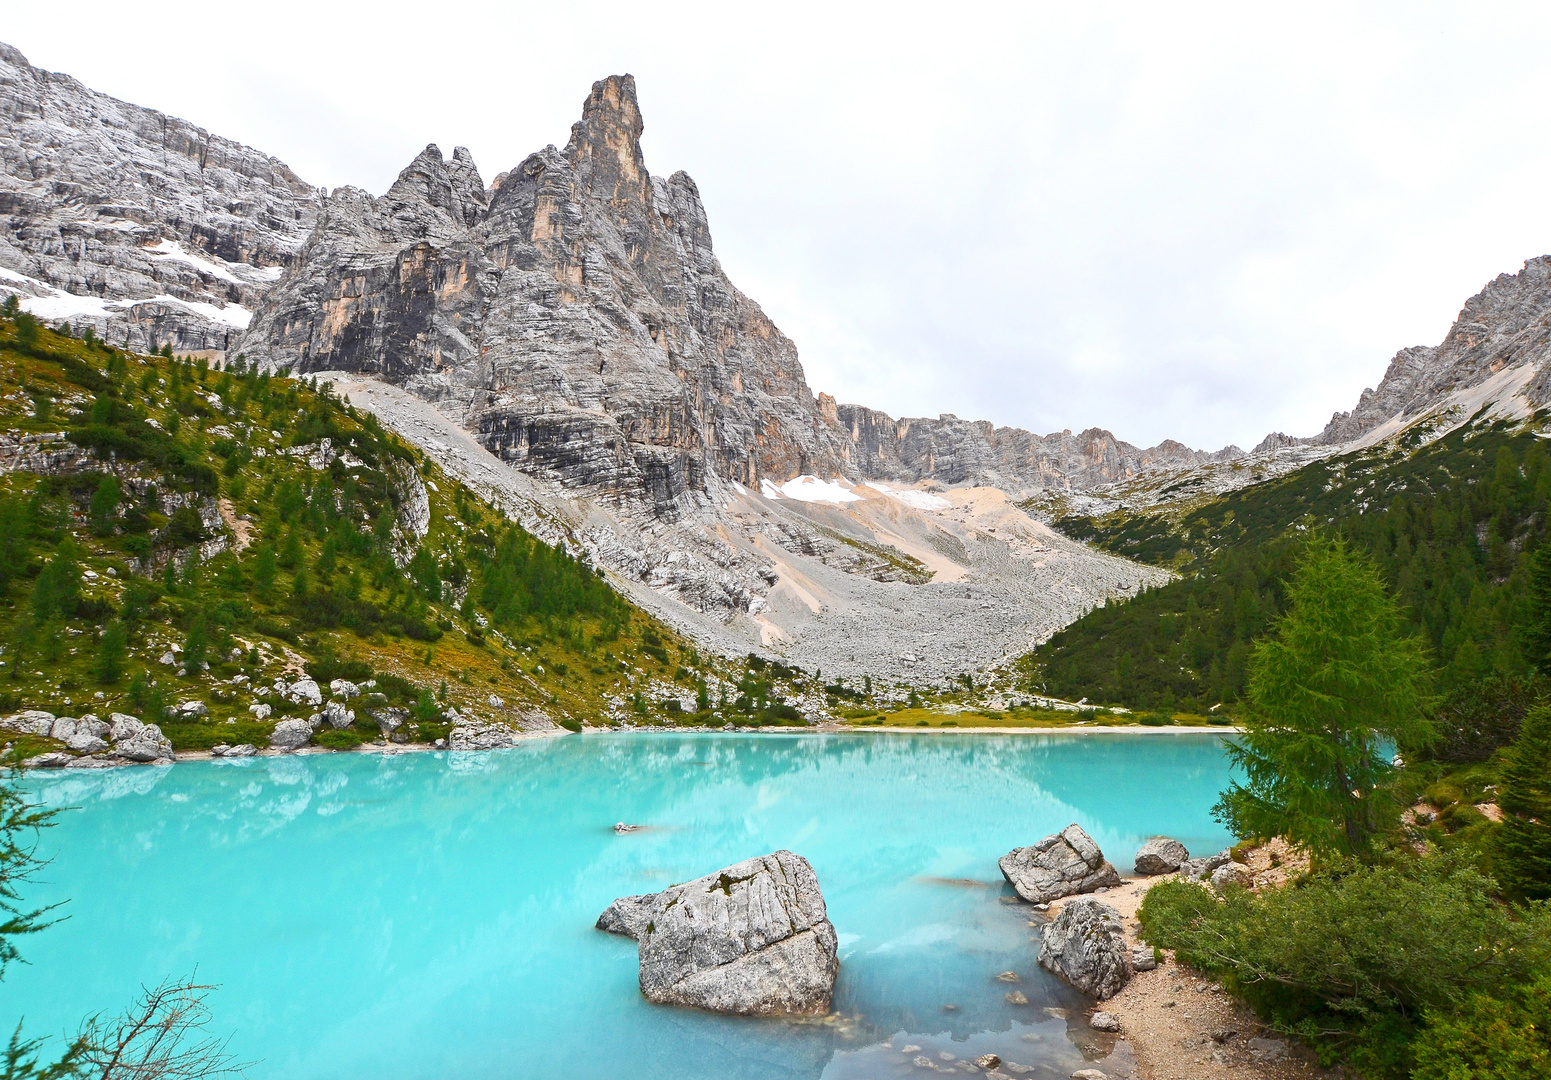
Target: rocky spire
468,190
425,179
605,146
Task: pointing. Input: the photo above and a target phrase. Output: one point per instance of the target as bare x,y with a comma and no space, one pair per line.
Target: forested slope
1450,523
175,539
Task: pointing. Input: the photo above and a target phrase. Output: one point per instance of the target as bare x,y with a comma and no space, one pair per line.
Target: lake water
431,915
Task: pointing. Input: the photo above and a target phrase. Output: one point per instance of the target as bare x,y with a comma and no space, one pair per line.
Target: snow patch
233,315
59,304
63,305
172,251
812,489
916,500
769,490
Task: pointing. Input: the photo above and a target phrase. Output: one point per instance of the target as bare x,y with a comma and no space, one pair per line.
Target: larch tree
1336,680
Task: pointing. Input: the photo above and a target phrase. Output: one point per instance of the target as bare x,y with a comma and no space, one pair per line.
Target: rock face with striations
142,226
752,940
1060,865
1086,945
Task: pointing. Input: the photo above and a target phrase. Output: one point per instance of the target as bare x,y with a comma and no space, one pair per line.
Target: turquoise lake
431,915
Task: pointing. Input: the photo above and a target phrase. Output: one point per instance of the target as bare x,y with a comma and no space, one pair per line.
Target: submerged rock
1086,946
1060,865
753,940
1161,855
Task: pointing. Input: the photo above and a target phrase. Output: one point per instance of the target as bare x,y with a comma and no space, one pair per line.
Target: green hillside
1450,523
174,534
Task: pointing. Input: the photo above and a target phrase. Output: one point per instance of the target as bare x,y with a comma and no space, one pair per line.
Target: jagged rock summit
574,317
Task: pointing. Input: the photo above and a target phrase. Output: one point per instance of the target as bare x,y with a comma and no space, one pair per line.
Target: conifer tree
1336,679
1523,860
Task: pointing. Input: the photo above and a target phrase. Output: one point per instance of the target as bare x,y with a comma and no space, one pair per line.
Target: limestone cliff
142,226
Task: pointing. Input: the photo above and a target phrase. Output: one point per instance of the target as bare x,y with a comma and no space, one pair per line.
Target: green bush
1155,719
344,739
204,736
571,724
1356,957
1489,1039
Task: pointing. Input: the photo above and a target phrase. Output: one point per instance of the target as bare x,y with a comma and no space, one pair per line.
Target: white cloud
1200,222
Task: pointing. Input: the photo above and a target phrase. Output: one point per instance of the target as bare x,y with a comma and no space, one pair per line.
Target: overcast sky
1173,221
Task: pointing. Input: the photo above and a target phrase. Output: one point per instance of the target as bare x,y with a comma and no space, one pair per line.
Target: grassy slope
555,636
1449,523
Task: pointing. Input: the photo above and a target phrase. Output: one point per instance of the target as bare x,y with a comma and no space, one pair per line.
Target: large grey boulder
1231,873
290,735
337,716
305,692
146,744
389,720
123,726
1060,865
1160,855
1086,945
753,940
29,722
84,742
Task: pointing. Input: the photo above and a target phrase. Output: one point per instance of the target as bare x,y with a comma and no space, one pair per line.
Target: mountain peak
605,146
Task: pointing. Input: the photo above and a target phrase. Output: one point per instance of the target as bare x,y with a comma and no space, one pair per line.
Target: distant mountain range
572,320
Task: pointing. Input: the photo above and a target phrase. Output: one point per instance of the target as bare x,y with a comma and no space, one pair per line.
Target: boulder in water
1086,945
752,940
1060,865
628,915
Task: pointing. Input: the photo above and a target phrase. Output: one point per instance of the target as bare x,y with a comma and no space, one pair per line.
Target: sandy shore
825,729
1181,1026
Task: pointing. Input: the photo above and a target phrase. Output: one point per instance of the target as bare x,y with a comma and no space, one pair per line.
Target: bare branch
162,1036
